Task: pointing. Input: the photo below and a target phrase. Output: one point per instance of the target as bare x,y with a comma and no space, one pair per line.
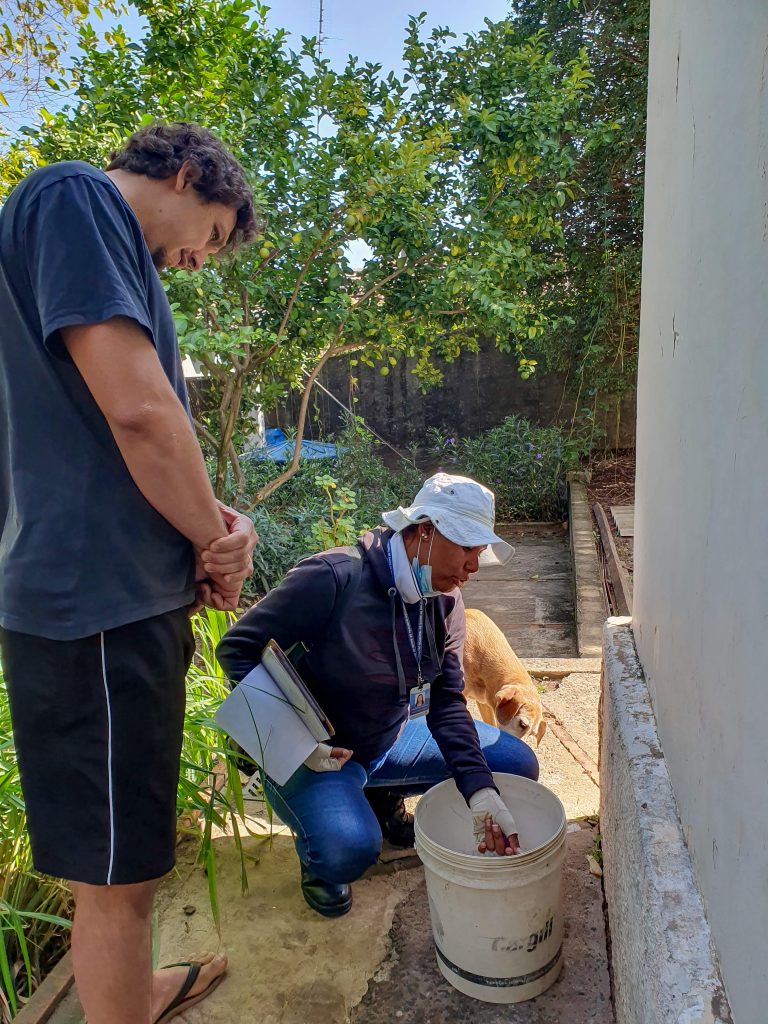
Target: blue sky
373,30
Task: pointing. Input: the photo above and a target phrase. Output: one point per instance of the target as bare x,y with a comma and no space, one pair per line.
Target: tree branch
236,470
300,281
206,435
332,350
213,368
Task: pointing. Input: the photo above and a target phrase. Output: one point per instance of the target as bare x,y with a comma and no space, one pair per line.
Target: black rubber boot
389,808
324,897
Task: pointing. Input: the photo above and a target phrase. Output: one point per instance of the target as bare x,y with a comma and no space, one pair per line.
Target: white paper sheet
257,716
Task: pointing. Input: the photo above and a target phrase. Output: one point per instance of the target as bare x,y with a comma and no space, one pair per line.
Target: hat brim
459,529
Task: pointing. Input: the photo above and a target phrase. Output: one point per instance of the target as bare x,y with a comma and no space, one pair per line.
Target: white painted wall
701,549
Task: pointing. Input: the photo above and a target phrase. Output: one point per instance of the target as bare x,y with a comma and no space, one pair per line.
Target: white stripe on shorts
109,764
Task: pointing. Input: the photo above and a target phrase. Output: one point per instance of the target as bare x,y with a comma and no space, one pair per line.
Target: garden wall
479,390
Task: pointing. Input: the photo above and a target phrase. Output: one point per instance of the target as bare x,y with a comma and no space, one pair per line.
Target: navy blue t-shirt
81,549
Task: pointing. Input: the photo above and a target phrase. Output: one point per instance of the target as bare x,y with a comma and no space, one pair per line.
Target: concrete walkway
531,598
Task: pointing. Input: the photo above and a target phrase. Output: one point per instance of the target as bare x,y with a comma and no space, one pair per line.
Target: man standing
109,533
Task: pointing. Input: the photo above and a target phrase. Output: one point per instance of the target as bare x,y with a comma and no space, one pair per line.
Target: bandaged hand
494,827
325,758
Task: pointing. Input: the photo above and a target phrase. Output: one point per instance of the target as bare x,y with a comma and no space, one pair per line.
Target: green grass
210,788
34,909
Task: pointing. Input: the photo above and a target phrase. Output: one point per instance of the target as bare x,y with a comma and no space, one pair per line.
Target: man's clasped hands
221,568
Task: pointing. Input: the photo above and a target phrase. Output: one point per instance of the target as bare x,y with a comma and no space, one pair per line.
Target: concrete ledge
556,668
664,964
588,577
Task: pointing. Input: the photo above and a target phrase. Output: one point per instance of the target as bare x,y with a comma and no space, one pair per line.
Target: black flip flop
182,1001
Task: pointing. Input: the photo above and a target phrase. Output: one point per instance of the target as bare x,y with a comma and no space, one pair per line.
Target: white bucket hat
461,509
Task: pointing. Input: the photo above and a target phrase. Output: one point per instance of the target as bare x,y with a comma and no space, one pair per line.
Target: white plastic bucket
497,921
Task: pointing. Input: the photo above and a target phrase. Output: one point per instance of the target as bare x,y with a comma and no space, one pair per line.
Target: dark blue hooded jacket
350,666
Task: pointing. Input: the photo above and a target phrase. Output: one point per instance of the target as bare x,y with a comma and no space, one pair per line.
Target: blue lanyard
416,645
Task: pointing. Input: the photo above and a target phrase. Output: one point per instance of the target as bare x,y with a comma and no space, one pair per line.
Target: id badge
418,701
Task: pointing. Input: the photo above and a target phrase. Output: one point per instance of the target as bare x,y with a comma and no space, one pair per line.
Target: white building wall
701,548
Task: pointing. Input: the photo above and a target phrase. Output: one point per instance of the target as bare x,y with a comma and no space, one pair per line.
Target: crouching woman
383,626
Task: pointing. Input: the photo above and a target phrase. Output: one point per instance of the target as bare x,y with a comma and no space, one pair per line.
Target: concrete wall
478,391
662,954
701,519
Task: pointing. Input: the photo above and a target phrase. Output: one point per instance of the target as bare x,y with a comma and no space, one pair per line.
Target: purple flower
530,447
539,456
451,440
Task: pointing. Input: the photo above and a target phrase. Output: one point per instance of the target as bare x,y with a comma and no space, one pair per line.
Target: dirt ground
612,482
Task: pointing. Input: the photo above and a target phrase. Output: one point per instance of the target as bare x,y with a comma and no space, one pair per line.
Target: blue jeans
337,834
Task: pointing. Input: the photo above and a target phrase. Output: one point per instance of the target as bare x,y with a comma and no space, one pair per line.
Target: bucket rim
496,864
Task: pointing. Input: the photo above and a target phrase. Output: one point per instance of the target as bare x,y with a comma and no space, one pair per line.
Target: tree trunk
225,449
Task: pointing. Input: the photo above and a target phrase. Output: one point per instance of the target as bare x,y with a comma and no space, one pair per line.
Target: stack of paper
273,717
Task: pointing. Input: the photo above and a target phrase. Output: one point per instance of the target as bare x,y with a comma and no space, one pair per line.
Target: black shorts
97,727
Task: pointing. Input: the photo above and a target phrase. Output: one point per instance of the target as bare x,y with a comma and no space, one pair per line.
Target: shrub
523,464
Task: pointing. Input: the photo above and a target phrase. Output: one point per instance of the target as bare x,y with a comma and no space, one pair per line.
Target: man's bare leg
111,955
111,951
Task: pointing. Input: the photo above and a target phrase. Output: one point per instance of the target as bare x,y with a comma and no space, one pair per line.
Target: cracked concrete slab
287,965
531,598
574,703
561,773
409,988
564,776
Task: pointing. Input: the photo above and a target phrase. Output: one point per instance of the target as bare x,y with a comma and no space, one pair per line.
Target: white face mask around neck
408,583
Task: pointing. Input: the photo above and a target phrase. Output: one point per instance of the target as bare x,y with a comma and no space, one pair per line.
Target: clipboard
272,715
279,666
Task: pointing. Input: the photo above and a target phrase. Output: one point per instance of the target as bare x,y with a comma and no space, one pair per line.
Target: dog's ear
507,708
540,731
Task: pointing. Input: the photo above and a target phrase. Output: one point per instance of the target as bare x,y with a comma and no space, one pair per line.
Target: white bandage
486,803
320,760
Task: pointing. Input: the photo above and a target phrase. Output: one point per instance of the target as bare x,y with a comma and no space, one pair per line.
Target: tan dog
495,677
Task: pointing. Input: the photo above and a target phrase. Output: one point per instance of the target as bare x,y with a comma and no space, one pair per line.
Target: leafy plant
378,484
597,849
592,299
339,528
34,39
523,464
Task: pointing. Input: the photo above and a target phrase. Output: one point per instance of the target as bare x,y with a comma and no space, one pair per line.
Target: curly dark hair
159,150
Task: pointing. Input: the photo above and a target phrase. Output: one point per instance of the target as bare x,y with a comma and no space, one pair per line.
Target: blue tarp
279,449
